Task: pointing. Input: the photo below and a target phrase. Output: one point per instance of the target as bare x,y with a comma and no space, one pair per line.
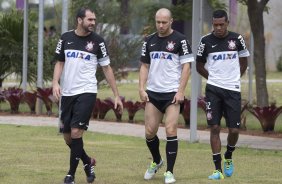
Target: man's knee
76,133
171,129
67,138
215,129
234,131
150,132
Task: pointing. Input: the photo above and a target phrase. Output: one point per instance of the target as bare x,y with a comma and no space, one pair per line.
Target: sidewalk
137,130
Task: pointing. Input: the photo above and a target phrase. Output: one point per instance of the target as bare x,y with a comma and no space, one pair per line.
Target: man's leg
216,146
84,157
172,115
152,119
232,139
216,150
76,149
214,114
81,115
232,111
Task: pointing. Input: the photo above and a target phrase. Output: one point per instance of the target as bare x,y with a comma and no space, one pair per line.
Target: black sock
84,157
75,156
217,161
228,153
171,152
153,145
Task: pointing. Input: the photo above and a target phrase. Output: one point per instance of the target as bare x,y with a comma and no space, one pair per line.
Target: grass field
32,155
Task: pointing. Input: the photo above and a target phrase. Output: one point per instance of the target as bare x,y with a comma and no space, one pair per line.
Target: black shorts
162,100
222,102
76,111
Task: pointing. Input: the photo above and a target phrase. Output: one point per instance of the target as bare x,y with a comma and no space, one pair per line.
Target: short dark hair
220,14
81,12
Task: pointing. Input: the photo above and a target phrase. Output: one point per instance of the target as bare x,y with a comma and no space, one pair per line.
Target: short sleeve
185,52
59,52
145,57
103,54
201,52
242,48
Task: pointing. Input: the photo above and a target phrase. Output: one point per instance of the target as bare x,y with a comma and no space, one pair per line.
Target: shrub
14,97
132,108
266,116
30,99
279,64
46,95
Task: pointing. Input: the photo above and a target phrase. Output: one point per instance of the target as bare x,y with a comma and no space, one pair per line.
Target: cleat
169,178
89,171
216,175
153,168
228,167
69,179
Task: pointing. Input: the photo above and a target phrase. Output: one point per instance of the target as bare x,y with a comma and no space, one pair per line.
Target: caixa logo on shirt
224,56
161,55
79,55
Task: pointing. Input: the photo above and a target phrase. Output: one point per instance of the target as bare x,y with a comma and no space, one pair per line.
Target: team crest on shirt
170,46
89,46
232,45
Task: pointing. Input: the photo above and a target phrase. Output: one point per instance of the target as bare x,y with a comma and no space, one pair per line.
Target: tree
255,14
124,11
11,48
114,28
181,11
11,32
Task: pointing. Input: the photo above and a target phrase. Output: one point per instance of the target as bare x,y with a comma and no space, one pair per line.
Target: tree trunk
1,83
255,13
124,27
178,25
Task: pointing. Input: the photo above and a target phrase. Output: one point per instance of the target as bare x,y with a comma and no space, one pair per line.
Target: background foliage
11,47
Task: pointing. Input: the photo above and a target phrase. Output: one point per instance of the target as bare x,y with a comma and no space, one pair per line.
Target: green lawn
32,155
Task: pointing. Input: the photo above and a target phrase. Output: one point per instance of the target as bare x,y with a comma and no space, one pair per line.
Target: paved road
137,130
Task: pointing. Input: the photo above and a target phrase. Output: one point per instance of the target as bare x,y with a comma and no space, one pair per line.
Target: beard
220,33
88,28
163,32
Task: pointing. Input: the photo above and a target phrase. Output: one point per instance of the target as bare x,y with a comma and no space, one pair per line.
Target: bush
279,64
266,116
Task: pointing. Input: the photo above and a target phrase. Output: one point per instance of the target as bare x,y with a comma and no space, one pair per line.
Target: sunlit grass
31,155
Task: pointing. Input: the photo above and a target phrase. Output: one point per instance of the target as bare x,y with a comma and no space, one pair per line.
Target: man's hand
56,90
56,78
178,98
118,104
143,96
